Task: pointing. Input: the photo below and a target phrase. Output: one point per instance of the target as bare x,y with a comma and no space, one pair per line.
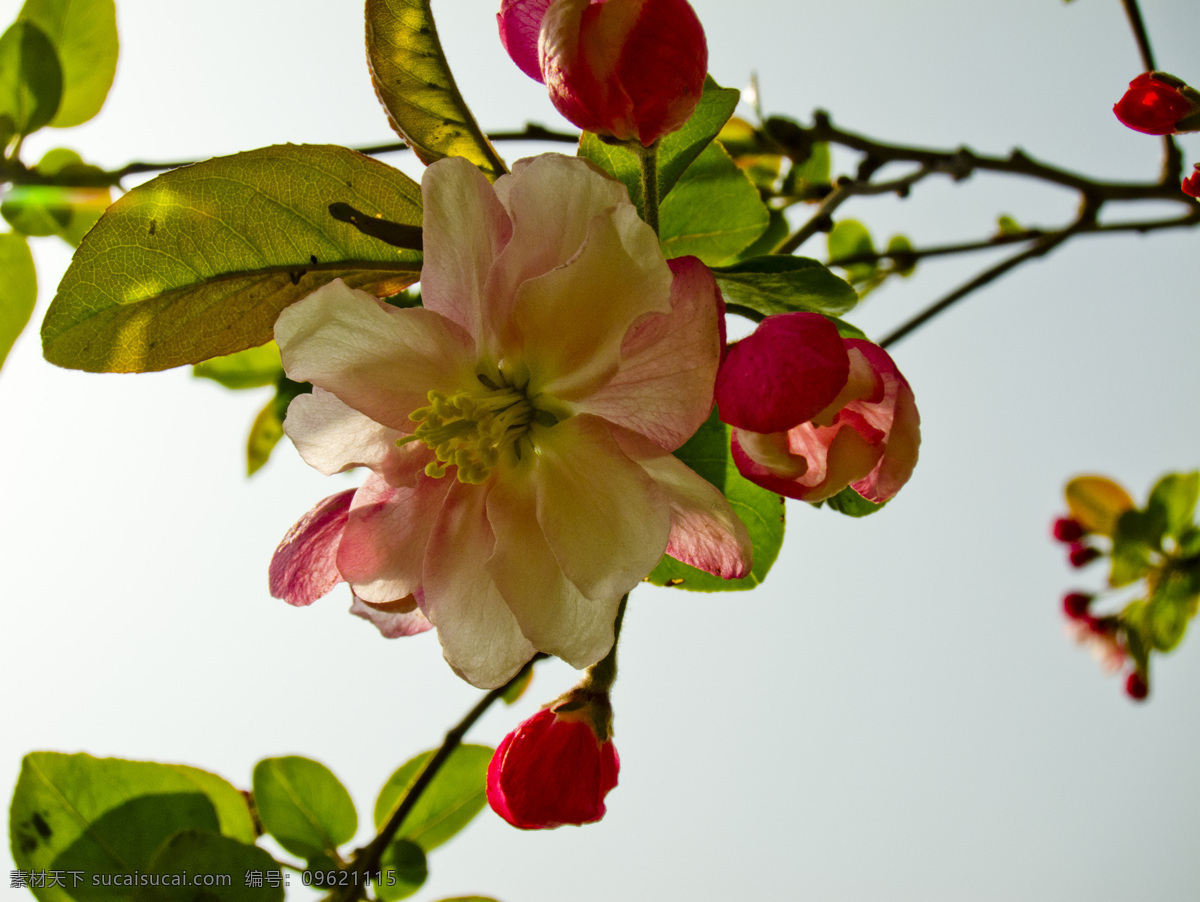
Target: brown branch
1139,33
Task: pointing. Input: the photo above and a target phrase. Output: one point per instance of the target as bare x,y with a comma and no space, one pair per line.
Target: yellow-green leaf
84,32
414,84
1097,502
199,262
18,289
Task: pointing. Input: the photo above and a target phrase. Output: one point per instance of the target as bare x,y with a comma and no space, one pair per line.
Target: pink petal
383,545
551,200
520,22
896,414
480,637
392,618
304,566
785,373
553,614
380,360
570,322
663,388
465,228
604,518
705,532
332,437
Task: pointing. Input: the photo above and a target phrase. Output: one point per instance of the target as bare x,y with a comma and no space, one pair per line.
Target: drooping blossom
813,412
556,767
1159,104
1100,636
518,426
633,69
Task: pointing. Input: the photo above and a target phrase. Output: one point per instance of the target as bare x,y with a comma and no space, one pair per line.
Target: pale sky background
896,716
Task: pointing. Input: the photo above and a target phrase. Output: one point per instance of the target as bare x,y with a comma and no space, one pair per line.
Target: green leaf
31,79
714,211
85,34
109,816
469,899
1175,496
413,81
251,368
265,433
303,805
1168,612
1136,622
18,289
199,262
404,870
815,170
1006,225
1137,533
64,210
850,238
783,284
899,246
516,689
852,504
456,794
768,242
1097,502
220,864
676,151
707,452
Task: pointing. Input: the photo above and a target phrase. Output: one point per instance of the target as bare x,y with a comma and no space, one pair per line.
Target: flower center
471,429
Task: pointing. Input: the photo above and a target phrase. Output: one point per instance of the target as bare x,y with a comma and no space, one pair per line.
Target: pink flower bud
1136,687
1158,104
1081,555
555,768
1191,184
1075,605
1068,529
813,412
633,69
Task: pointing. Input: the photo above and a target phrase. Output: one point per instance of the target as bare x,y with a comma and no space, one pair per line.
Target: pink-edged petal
520,22
332,437
837,455
553,614
380,360
786,372
605,520
304,566
383,545
393,619
705,532
901,422
570,323
664,386
465,227
551,200
480,637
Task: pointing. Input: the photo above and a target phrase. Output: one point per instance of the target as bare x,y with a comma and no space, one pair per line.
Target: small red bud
1136,687
1075,605
1155,104
1191,184
1081,555
1068,529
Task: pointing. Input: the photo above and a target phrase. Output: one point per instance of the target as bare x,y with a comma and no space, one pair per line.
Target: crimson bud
1067,529
1159,104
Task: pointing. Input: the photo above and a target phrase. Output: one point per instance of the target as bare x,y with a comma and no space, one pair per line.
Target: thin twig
1139,33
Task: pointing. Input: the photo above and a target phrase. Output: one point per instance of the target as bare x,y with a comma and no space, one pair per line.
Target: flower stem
366,860
603,673
648,157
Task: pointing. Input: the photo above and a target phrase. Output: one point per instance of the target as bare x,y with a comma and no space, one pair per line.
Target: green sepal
852,504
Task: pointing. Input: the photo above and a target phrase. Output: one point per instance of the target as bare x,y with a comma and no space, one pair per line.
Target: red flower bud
1082,555
1075,605
1191,184
1158,104
1068,530
554,768
633,69
1136,687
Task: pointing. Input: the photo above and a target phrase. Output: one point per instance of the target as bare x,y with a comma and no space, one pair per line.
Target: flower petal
520,22
383,546
465,227
551,200
304,565
393,619
332,437
380,360
663,388
480,637
554,615
705,532
902,425
604,518
786,372
570,322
